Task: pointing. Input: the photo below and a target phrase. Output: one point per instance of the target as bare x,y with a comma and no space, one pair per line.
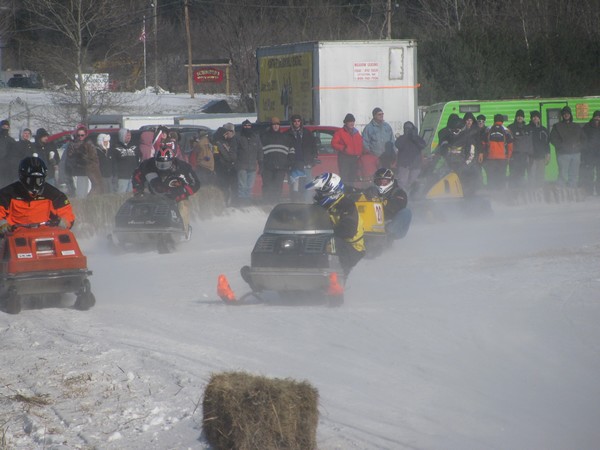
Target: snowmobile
295,257
149,220
441,193
40,262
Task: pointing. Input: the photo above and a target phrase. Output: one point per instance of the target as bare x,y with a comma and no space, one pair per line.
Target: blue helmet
328,188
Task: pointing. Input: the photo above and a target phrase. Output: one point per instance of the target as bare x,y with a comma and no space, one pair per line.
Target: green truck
435,117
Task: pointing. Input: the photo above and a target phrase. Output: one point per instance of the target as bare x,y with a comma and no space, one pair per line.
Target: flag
142,37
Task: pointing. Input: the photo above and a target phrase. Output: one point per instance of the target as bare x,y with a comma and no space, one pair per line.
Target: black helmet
32,173
384,180
164,157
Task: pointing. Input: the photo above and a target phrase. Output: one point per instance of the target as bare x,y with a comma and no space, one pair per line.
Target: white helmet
384,180
328,188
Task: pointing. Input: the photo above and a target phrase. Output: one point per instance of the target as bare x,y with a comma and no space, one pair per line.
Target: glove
4,226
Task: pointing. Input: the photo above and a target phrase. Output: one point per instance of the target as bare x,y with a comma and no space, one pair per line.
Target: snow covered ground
465,335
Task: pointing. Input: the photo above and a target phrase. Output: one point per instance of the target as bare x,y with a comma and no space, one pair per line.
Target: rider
394,199
168,176
32,201
347,224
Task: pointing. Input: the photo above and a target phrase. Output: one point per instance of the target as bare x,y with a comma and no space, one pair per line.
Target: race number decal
378,212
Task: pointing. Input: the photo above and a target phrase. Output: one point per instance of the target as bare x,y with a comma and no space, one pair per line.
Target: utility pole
189,49
388,18
155,4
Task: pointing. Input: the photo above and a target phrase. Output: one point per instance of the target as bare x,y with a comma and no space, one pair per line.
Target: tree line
466,48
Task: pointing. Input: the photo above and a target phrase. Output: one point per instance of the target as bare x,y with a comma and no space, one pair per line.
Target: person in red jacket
348,142
32,201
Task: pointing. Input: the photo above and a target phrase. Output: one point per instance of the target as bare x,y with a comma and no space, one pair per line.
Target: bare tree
74,34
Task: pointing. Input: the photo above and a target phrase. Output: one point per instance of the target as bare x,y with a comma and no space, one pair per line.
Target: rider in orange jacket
31,200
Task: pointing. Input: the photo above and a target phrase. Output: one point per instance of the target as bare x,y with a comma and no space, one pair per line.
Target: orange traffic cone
335,288
224,291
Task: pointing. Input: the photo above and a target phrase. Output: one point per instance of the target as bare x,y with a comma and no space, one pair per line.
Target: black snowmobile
295,256
149,221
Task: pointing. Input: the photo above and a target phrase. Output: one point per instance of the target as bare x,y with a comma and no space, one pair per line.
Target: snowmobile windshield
298,218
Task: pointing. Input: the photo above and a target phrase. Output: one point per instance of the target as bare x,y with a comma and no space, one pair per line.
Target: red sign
208,75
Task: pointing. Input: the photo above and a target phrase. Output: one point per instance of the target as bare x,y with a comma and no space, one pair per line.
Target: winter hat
481,117
246,122
408,127
596,113
122,133
349,118
498,118
376,111
295,117
469,115
229,127
533,114
275,120
4,122
40,133
520,113
565,110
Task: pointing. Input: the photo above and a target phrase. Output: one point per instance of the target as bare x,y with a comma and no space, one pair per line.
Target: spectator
410,156
568,140
458,149
590,156
394,199
305,153
202,158
125,157
249,159
22,149
348,143
105,162
498,141
82,164
540,140
278,155
378,138
225,158
161,133
170,177
146,148
48,152
521,158
480,145
7,148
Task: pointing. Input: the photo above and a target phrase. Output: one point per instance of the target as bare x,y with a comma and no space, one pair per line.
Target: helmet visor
382,181
163,165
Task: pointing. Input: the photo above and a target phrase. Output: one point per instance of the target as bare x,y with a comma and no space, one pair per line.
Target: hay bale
247,412
96,214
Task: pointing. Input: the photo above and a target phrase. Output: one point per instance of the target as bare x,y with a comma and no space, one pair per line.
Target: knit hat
376,111
4,122
481,117
596,113
565,110
275,120
533,114
498,118
40,133
246,122
520,113
295,117
349,118
229,127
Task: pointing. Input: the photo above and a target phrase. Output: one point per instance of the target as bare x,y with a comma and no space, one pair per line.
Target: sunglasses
80,135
